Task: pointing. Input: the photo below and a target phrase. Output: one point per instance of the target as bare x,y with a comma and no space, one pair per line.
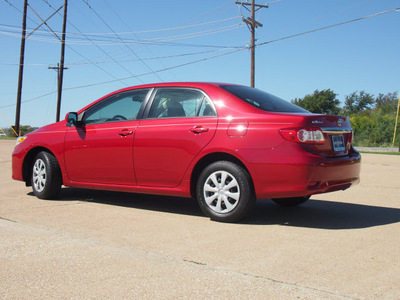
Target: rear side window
263,100
179,103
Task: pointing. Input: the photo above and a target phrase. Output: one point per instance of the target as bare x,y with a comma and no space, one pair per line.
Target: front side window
124,106
178,103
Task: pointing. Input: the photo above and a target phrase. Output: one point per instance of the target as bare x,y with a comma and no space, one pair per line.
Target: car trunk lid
337,132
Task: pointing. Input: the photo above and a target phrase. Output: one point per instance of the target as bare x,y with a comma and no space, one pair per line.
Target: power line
111,81
163,41
216,56
25,101
237,50
161,70
210,11
57,42
329,26
129,48
154,30
121,61
96,47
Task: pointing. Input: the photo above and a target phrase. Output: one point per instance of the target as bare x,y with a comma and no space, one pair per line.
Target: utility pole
59,88
21,61
252,24
21,70
61,67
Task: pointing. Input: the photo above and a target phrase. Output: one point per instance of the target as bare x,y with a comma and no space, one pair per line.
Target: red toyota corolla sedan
227,145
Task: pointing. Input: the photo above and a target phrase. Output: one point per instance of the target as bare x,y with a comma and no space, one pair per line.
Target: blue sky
126,43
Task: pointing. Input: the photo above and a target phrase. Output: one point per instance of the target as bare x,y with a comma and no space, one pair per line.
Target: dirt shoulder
93,244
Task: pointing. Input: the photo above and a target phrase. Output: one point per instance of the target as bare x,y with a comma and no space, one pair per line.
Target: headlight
20,139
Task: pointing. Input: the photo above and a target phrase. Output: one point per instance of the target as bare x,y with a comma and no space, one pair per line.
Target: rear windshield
263,100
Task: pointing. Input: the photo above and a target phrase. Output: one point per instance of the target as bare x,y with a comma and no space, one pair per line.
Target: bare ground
93,244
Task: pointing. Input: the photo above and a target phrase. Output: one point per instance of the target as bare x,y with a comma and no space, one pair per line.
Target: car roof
193,84
199,85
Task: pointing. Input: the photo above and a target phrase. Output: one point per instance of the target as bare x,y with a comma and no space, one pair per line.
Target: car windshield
263,100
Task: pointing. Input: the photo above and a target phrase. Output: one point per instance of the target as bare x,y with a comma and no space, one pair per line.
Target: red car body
165,155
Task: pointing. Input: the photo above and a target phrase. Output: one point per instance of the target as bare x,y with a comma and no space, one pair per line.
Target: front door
100,149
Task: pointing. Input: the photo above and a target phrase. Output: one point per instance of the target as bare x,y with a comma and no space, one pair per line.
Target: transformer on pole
252,24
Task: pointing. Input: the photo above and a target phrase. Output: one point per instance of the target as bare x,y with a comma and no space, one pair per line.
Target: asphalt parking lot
95,245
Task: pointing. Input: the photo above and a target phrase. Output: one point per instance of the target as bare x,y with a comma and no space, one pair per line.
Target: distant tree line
372,118
23,128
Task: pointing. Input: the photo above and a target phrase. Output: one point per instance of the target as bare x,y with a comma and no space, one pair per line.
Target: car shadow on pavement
176,205
322,214
314,213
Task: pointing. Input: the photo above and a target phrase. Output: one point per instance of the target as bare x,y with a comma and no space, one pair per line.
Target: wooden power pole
252,24
60,67
21,71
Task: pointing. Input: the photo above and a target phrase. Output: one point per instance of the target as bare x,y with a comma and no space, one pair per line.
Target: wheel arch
28,161
209,159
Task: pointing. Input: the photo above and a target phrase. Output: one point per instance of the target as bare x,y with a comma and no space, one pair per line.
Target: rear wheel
290,202
225,192
46,176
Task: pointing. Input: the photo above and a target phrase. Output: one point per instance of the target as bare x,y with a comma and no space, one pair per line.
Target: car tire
46,176
290,202
225,192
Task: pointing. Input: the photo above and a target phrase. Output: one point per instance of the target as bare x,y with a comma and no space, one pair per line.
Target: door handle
199,129
125,132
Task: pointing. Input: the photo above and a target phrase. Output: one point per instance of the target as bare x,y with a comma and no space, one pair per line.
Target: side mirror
71,118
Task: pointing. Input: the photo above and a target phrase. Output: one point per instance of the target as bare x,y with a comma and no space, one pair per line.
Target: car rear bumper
304,175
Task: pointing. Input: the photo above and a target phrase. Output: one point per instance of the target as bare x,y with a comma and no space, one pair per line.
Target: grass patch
7,138
377,152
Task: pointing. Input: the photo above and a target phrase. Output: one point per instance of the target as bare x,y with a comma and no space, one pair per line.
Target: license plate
338,143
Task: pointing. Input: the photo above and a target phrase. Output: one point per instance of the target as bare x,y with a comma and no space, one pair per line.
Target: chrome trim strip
336,130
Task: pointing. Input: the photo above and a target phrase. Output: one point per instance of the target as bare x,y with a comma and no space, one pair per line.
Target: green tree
24,129
387,104
357,102
321,102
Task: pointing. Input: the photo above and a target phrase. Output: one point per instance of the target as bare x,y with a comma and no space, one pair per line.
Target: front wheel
46,176
290,202
225,192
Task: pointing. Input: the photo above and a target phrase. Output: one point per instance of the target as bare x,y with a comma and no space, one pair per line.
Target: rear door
179,124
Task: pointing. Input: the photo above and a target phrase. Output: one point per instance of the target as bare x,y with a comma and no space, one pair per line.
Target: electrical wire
219,55
147,49
25,101
121,61
125,44
156,30
163,41
160,70
329,26
12,5
259,44
66,45
98,47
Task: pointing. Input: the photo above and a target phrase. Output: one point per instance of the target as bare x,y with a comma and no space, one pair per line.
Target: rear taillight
309,136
